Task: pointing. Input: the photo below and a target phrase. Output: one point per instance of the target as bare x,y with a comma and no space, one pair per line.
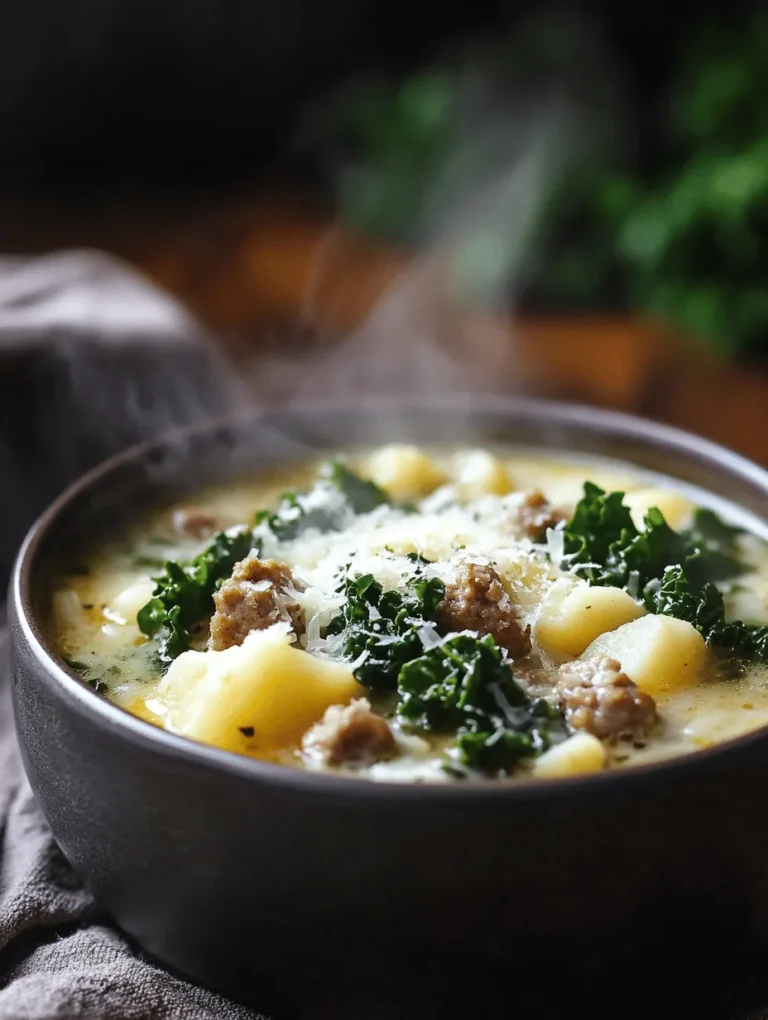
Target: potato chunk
574,614
258,696
404,472
675,507
130,600
481,474
659,653
577,755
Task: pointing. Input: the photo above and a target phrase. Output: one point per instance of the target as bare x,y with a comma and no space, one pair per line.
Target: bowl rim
189,754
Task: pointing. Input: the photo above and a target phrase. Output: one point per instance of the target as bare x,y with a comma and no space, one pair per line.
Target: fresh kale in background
183,596
672,573
676,227
693,234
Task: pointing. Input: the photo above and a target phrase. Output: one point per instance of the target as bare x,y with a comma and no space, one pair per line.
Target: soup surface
414,615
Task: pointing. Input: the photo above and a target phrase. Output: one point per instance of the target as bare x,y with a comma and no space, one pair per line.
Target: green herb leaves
673,573
464,684
384,626
361,494
337,495
183,596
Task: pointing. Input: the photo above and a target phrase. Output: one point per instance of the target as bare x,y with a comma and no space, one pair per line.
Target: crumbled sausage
599,698
194,521
349,733
477,601
253,598
536,514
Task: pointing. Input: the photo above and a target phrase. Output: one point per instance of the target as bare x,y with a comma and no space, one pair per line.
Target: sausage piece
599,698
194,521
477,601
536,514
349,733
253,598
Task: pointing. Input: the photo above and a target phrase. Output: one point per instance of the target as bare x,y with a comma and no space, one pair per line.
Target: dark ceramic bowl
287,890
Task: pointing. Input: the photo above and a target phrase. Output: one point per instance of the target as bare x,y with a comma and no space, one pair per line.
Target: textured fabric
82,339
58,957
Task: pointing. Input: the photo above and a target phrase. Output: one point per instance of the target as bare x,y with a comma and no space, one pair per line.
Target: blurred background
590,181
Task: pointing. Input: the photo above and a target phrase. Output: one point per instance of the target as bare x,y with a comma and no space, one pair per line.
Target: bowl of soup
407,703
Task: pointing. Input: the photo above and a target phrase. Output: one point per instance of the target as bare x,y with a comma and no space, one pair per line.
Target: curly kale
673,573
183,595
464,684
361,494
602,544
717,543
324,511
677,595
385,625
496,744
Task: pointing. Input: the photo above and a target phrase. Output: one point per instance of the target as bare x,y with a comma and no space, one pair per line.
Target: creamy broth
466,507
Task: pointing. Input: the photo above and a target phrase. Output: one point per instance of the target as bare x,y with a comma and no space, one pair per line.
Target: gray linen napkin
91,359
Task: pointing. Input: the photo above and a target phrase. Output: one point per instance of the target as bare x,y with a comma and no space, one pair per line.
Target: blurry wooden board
249,268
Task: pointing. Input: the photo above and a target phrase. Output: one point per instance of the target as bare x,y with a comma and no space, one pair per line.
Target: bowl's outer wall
281,892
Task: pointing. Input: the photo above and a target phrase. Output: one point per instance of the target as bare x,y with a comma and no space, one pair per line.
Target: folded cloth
91,358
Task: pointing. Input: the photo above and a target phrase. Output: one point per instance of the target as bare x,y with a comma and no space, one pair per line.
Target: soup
418,615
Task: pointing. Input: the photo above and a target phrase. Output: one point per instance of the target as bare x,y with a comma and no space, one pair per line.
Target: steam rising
421,338
113,362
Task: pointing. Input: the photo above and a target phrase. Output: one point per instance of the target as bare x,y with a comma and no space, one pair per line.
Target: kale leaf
183,595
361,494
603,545
600,521
496,746
385,625
465,684
717,543
461,679
321,509
676,595
673,573
740,640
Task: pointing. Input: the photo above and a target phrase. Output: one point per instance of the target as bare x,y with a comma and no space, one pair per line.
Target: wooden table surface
256,269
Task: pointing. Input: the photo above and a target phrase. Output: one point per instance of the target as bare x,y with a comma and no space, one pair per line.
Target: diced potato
404,472
67,610
574,613
577,755
661,654
675,507
257,696
482,474
131,599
